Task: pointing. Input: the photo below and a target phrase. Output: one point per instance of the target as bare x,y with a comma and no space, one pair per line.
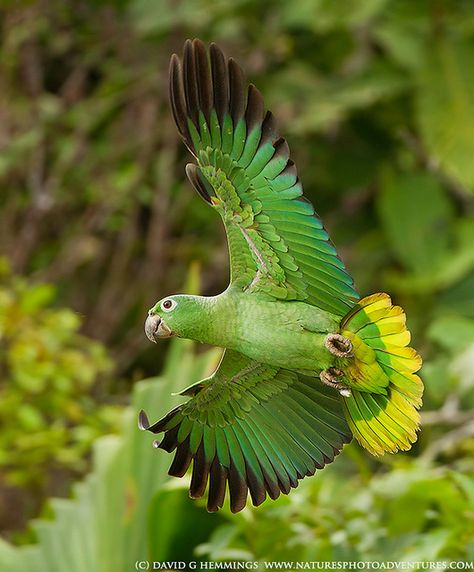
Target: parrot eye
168,305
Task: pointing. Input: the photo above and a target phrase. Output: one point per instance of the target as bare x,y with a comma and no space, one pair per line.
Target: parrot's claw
331,378
339,346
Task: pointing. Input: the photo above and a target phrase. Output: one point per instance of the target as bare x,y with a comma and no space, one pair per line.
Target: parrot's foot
339,345
331,377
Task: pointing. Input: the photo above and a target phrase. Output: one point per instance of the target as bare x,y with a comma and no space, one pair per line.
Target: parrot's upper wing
277,242
258,427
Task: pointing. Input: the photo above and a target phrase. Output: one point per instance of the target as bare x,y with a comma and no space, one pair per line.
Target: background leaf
417,218
446,107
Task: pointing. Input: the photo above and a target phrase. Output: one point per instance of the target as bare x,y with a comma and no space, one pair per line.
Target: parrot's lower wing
257,427
277,243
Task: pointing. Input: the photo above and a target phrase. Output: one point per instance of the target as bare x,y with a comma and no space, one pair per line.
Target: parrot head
173,316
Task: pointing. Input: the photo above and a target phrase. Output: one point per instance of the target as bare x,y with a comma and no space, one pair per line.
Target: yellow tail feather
382,411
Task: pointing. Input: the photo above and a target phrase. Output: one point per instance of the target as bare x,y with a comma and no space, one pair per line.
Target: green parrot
307,364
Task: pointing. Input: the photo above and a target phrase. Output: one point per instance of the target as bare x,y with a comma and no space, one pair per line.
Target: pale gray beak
155,328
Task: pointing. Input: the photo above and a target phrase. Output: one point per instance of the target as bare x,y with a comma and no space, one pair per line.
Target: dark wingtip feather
176,97
160,425
190,82
255,108
220,81
272,489
284,488
290,170
182,460
238,96
270,130
203,82
282,151
203,78
238,489
170,440
143,422
256,488
217,481
200,474
193,176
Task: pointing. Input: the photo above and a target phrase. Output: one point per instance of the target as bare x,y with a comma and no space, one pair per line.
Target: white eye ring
168,305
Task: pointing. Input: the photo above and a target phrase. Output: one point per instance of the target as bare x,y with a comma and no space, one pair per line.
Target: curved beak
155,328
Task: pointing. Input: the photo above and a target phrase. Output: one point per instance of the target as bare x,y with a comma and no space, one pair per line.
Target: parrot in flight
307,364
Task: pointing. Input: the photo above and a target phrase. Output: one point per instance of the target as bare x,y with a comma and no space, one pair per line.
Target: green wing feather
277,243
254,428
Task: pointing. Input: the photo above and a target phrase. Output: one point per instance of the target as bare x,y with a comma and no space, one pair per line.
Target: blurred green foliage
413,512
376,99
48,415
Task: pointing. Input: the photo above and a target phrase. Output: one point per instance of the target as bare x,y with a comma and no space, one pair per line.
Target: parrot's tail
382,410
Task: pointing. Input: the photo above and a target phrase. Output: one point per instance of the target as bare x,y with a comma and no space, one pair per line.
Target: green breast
285,334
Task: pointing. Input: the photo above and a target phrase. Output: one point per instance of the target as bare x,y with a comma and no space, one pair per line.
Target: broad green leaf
455,333
402,32
460,297
177,526
8,556
445,106
416,215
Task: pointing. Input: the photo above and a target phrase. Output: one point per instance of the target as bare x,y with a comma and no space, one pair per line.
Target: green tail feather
382,411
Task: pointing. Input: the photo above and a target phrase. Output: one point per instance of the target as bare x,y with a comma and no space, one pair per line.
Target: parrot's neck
214,323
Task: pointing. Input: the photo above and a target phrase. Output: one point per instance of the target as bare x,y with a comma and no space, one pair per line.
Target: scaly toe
338,345
331,377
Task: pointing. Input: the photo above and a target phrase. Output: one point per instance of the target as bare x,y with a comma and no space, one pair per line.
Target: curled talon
331,378
339,345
